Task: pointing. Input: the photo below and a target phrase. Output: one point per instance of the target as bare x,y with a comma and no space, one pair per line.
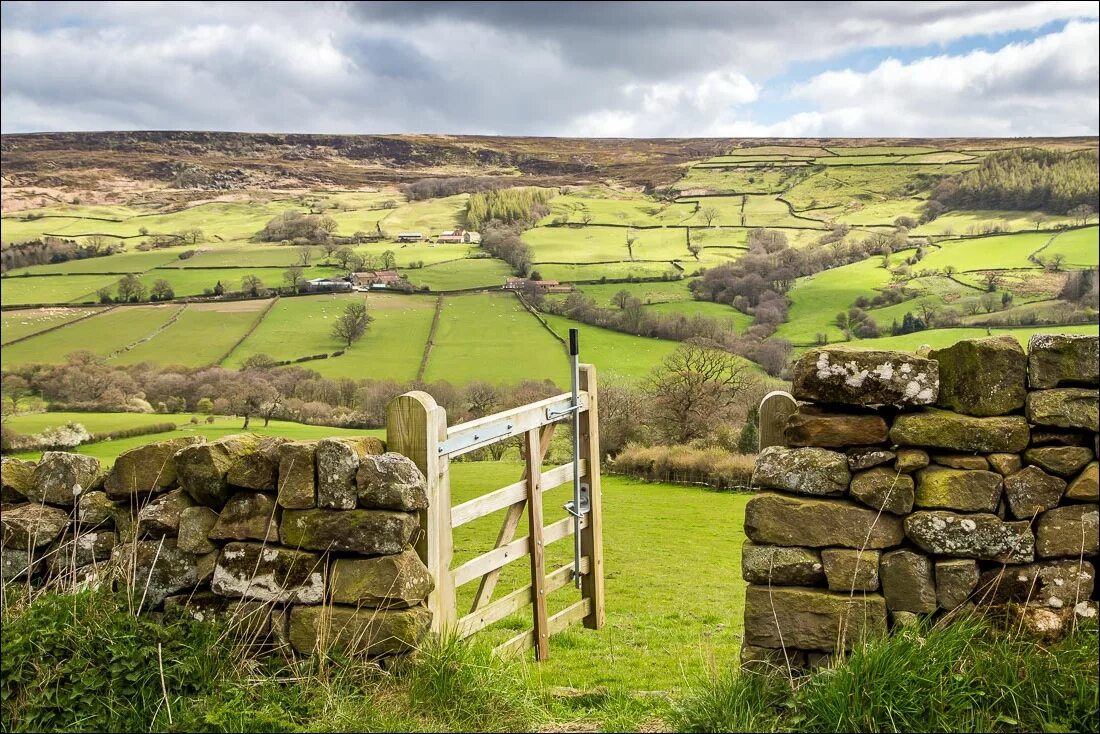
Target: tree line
525,204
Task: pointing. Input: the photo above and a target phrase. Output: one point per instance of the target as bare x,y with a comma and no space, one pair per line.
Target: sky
708,69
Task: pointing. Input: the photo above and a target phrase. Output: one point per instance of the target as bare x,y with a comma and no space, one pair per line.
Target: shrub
711,466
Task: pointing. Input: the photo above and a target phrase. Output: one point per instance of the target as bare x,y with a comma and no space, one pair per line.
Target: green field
987,253
16,291
429,217
767,211
196,281
756,179
1080,247
23,323
613,352
201,336
461,274
977,221
493,338
132,261
939,338
616,271
295,327
606,206
595,244
817,299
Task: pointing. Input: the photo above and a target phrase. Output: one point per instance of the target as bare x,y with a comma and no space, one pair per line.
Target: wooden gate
417,427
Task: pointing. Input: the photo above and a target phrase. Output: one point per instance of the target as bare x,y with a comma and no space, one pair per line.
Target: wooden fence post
533,457
592,536
776,407
415,426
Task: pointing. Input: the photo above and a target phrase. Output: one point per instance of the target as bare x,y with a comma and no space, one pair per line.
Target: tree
104,295
695,248
130,289
219,289
352,323
749,440
162,291
329,248
252,285
293,276
992,279
989,302
1081,213
389,260
247,395
1038,218
305,255
586,217
710,214
1056,261
693,389
621,298
342,255
631,238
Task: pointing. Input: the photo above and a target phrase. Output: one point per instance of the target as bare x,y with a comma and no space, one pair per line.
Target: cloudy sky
574,69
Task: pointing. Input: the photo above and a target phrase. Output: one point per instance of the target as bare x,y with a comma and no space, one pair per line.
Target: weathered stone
1054,584
61,477
297,475
1048,625
1063,359
86,548
146,469
194,527
810,471
16,476
1086,487
946,430
202,468
337,462
865,377
388,582
909,460
860,459
161,516
907,582
811,619
764,564
358,631
247,516
982,377
1041,436
391,482
32,525
280,629
955,581
250,620
851,570
903,620
884,489
961,461
205,565
370,532
1065,407
257,469
811,426
767,659
958,489
154,569
981,536
1070,531
271,574
777,519
16,563
1061,460
94,509
1005,464
1032,490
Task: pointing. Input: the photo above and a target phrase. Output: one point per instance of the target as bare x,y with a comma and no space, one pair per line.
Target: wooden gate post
775,409
415,426
592,535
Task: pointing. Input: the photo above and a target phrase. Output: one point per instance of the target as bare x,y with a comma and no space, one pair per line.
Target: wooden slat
508,529
487,504
592,586
521,420
556,623
500,557
538,550
517,600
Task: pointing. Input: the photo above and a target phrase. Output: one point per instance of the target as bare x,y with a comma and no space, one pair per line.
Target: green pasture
876,212
1080,247
856,160
729,210
132,261
196,281
238,220
480,272
881,150
940,156
16,290
939,338
360,220
817,299
779,151
418,252
240,255
429,217
767,211
18,324
742,180
201,336
711,310
605,206
836,186
612,271
613,352
976,221
656,292
719,235
103,334
295,327
31,423
594,244
986,253
491,337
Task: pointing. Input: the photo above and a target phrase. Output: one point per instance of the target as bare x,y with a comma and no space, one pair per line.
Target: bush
711,466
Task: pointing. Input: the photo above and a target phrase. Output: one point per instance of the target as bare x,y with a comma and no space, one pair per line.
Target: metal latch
586,503
553,414
488,433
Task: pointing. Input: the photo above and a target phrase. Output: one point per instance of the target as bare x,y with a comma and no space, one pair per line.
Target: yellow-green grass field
875,212
719,235
856,160
881,150
987,253
15,291
839,185
767,211
200,336
939,338
779,151
595,244
196,281
491,337
719,311
242,254
418,252
461,274
132,261
942,156
974,221
103,334
656,292
429,217
606,206
625,355
618,270
18,324
1080,247
742,180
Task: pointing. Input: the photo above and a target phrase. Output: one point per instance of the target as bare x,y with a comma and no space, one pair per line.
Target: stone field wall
292,543
916,485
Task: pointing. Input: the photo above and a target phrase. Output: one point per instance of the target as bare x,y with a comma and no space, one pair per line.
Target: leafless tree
710,214
294,275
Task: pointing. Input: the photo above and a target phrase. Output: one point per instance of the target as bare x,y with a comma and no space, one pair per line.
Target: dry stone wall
916,485
291,543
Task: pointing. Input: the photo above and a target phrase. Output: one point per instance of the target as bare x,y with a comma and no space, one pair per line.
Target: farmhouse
376,279
409,237
546,286
458,237
327,284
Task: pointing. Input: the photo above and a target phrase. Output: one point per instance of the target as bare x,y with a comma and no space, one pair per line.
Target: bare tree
352,323
305,255
695,249
252,285
586,217
621,298
293,276
631,238
1081,213
710,214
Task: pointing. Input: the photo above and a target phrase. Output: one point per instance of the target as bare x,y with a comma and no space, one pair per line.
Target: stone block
811,619
388,582
956,579
865,377
1031,490
1065,407
946,430
32,526
369,532
154,569
851,570
1085,487
161,516
962,461
860,459
811,471
907,582
202,468
369,632
779,565
72,553
1065,461
338,461
884,489
1053,584
1069,532
390,482
61,477
257,469
982,377
297,475
777,519
16,563
1005,464
16,476
1063,359
194,527
958,489
146,469
909,460
811,426
247,516
980,536
269,574
94,509
767,659
245,619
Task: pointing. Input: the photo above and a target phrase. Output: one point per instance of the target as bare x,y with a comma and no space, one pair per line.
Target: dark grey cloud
523,68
